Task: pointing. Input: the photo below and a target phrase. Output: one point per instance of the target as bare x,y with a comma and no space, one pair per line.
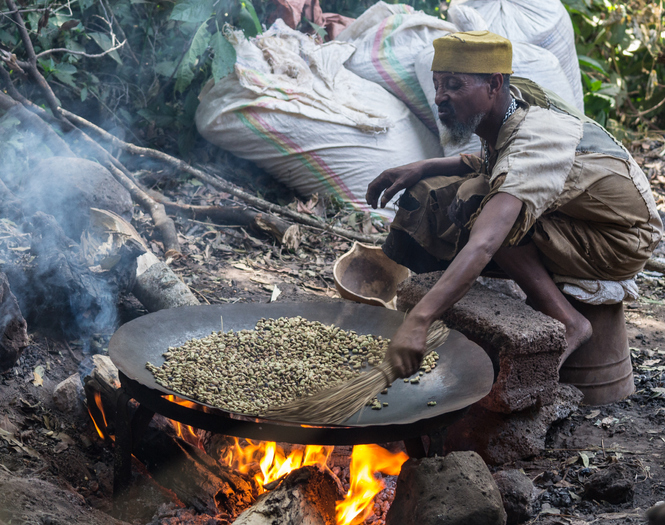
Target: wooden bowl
367,275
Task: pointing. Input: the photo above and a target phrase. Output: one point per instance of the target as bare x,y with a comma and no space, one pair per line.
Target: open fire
268,463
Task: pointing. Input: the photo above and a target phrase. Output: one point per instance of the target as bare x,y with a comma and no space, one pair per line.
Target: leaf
224,58
585,459
38,374
84,94
60,447
166,68
192,11
592,415
104,41
65,73
592,63
248,21
186,70
319,30
659,391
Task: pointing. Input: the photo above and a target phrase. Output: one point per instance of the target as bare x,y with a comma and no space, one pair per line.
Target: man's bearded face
460,131
458,97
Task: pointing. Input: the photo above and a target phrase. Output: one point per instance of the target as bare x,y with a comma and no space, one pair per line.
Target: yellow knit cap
473,52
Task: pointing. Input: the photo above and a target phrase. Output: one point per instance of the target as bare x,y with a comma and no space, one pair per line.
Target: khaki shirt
587,203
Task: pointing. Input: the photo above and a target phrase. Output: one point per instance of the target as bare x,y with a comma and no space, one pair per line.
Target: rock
524,345
68,187
503,438
656,514
614,484
67,395
518,494
13,328
457,489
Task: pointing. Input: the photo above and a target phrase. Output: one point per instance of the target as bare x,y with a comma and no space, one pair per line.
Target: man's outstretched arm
407,346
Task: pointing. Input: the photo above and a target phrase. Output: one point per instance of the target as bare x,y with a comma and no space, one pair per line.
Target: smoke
55,287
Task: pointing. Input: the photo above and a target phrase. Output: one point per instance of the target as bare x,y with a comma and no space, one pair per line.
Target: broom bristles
334,405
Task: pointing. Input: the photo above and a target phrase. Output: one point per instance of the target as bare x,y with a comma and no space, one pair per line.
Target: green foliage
622,56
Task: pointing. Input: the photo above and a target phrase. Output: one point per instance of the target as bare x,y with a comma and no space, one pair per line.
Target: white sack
388,39
292,108
544,23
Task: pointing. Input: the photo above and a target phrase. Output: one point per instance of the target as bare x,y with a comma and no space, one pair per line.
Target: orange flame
185,432
268,462
103,425
356,507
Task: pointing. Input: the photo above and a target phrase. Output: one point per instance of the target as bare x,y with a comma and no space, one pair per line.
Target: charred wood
194,477
13,328
58,291
284,232
306,496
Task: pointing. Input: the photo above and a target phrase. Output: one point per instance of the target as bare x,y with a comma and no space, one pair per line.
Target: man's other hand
393,181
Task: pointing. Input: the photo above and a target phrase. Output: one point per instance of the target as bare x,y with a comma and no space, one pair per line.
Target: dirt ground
55,469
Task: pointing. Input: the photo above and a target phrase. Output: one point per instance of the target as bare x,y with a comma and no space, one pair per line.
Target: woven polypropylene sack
295,110
388,39
544,23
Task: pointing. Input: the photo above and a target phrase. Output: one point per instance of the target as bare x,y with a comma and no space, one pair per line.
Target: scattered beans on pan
248,371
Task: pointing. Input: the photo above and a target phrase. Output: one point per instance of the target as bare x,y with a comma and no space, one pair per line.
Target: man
552,193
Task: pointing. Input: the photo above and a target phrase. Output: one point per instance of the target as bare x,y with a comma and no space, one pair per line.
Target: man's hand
393,181
407,347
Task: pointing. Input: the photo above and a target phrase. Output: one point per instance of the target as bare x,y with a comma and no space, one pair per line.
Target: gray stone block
503,438
454,490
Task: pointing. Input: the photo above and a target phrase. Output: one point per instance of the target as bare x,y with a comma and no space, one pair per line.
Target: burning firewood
196,479
306,495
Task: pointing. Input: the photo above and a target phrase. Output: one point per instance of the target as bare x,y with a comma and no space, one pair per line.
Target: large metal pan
464,373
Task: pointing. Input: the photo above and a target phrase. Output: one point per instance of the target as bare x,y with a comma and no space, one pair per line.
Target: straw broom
334,405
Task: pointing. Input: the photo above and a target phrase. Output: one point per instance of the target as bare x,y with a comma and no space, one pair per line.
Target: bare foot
578,332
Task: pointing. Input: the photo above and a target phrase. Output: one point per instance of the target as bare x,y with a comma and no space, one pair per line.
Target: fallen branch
284,232
654,265
222,185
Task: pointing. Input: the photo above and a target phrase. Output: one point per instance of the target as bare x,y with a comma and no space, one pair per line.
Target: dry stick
31,64
282,231
223,185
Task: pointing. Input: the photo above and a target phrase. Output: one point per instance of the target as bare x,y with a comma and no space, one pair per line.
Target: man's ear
495,84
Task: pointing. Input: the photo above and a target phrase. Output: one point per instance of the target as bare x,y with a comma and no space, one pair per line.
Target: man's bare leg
524,266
